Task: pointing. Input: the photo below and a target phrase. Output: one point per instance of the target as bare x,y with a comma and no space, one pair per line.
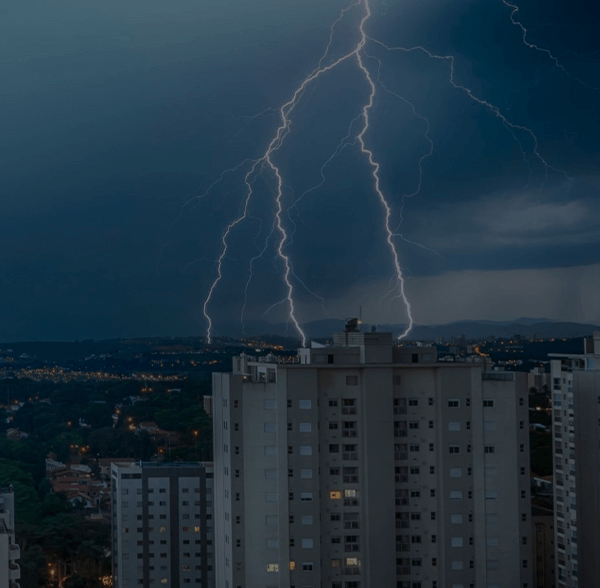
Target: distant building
162,524
576,446
369,465
10,571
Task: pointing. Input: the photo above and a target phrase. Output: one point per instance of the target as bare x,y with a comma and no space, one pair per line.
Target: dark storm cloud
114,114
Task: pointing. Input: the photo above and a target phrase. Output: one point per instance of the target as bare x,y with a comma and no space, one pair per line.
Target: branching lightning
280,238
513,18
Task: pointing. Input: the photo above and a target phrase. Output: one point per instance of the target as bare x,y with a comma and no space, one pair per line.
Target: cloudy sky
119,118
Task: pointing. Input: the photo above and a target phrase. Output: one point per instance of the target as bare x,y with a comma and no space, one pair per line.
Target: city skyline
119,115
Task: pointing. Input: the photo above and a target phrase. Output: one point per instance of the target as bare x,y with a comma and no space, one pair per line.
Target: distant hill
542,328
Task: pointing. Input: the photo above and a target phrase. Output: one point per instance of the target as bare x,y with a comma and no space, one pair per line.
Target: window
491,542
415,470
454,449
488,403
333,425
350,475
270,404
305,427
456,472
335,516
335,448
453,426
489,425
351,380
413,425
457,565
307,520
491,495
306,496
305,450
306,474
304,404
272,567
456,542
456,495
271,497
333,403
413,402
270,450
335,494
489,449
307,567
307,543
413,448
334,471
270,428
415,516
272,543
453,403
456,519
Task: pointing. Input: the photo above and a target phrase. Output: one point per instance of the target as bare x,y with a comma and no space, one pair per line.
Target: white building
368,465
9,550
162,524
576,446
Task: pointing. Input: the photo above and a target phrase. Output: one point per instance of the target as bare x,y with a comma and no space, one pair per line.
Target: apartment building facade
366,464
10,552
162,524
576,448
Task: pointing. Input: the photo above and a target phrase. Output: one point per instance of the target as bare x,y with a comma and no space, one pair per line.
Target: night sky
117,117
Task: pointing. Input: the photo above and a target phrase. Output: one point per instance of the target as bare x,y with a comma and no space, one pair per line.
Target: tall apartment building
9,550
162,524
576,447
369,465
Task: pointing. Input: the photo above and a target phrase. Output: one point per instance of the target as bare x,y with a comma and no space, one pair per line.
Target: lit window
272,567
335,495
292,565
350,493
352,561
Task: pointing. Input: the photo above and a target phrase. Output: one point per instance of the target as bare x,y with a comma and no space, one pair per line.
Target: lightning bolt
513,14
267,161
375,170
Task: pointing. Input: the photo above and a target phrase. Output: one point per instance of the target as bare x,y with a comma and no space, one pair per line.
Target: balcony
14,571
14,552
